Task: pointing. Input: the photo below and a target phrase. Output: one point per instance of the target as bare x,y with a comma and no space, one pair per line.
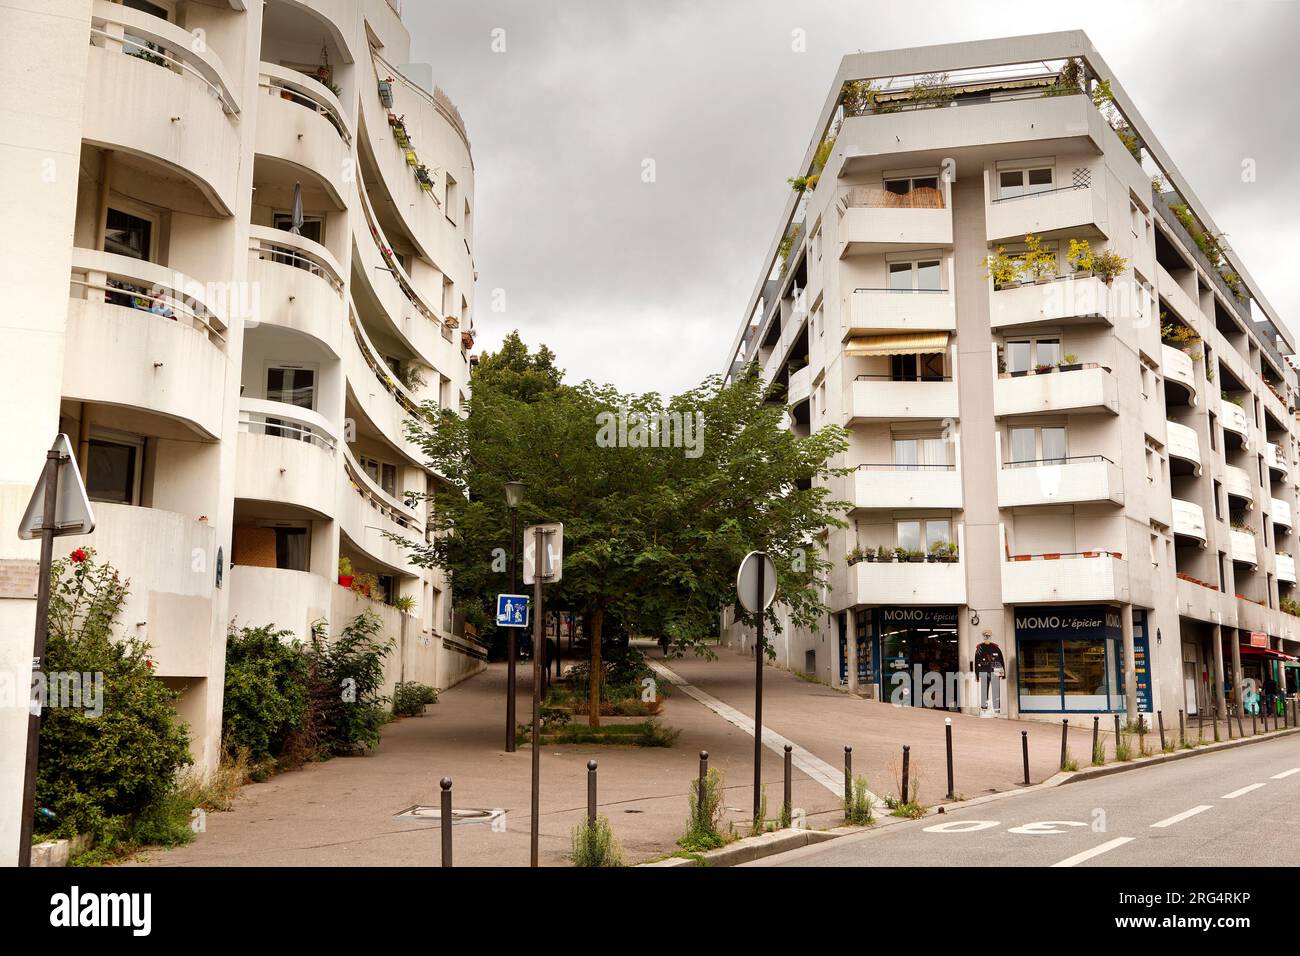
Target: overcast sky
644,284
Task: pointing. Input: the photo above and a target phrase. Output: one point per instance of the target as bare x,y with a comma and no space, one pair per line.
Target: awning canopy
1248,650
912,343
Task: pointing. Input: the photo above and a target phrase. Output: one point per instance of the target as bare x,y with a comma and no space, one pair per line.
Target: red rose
78,556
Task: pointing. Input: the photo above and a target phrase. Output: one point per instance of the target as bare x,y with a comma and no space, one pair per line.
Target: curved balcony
1091,389
173,101
438,142
406,311
1062,578
288,599
1236,482
120,352
301,285
1280,511
302,123
170,560
874,311
1064,301
1189,521
1277,461
1234,421
1176,366
286,455
906,486
366,514
1243,547
1079,480
876,397
1184,445
385,401
1285,567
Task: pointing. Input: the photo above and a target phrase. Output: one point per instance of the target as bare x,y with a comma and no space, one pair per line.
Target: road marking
832,778
1243,790
1179,817
1285,773
1095,851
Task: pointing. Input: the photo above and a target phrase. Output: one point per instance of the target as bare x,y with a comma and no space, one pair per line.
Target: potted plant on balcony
884,554
900,555
854,556
365,584
386,92
345,572
1079,256
915,556
1070,363
1107,265
1003,269
1037,261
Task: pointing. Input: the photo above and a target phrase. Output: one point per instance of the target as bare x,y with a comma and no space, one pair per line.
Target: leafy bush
346,676
267,692
595,845
410,698
98,773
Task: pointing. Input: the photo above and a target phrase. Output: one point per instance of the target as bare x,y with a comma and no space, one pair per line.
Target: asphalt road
1240,807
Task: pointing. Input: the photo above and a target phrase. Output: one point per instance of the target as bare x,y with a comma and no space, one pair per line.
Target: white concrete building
1095,473
236,390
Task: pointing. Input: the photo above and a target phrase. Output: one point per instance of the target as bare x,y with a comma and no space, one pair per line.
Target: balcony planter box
1021,374
1044,369
1074,367
1020,557
1051,557
386,93
1092,554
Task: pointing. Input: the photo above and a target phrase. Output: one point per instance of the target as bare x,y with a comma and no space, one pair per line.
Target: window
452,205
903,185
292,386
916,368
1053,445
1025,354
1045,444
923,534
911,452
923,275
312,226
291,550
127,235
1023,182
113,471
382,473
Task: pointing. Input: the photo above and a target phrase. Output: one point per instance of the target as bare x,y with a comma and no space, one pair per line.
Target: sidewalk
341,812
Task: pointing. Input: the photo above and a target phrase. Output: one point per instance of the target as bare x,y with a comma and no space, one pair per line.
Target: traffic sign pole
53,461
512,649
758,697
538,538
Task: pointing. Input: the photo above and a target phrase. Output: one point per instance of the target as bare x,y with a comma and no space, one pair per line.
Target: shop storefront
916,648
1071,659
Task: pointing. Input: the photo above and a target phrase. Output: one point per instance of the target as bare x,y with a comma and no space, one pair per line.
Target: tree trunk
593,638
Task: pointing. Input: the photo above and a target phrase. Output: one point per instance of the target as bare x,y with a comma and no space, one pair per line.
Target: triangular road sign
72,514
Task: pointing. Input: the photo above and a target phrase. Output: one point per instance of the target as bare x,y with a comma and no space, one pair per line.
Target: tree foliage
652,535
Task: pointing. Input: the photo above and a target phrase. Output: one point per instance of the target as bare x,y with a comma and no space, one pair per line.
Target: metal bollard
848,776
1182,731
1200,726
700,788
444,816
1024,749
1096,726
907,757
1228,721
1065,740
1117,734
1254,729
591,793
787,806
947,729
1160,719
1241,731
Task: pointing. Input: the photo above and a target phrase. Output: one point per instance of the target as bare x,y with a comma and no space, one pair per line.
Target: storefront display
1069,659
917,650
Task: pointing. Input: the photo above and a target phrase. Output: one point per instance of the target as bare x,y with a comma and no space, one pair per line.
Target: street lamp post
514,496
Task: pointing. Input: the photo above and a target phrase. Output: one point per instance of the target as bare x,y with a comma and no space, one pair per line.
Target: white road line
1095,851
1179,817
1243,790
1285,773
832,778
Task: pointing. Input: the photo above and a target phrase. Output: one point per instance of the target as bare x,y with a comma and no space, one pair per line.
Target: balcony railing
897,101
400,393
282,420
283,247
376,497
306,92
1039,462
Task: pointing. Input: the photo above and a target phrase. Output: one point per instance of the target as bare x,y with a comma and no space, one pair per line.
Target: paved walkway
343,812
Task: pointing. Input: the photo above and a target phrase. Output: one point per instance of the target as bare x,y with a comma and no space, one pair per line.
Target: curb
756,848
1107,770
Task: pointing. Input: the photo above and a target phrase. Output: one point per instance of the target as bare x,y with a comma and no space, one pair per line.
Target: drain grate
459,816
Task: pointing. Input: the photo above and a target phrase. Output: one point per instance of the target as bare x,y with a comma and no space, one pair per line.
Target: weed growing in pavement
756,825
907,804
1098,753
595,844
1069,764
1124,747
702,829
857,811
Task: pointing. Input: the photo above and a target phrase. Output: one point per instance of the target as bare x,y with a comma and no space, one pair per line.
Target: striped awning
912,343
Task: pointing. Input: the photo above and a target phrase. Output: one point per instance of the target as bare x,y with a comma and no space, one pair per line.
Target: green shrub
97,773
595,845
346,676
267,691
702,829
410,698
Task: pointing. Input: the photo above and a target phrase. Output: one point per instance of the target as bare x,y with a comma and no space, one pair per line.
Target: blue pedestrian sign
512,610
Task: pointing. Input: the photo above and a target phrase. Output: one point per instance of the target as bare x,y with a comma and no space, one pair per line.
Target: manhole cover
459,815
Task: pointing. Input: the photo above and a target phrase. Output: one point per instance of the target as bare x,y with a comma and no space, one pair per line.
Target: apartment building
1084,456
240,257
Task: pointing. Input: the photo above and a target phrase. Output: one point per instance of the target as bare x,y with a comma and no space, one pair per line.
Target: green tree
652,534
